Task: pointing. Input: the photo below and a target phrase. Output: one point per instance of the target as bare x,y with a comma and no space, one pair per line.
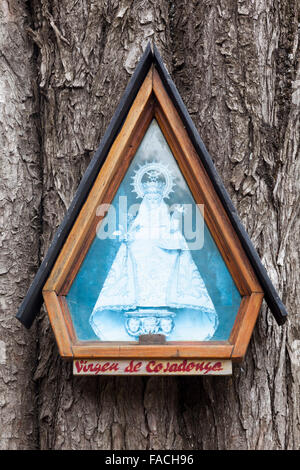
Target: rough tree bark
236,65
20,190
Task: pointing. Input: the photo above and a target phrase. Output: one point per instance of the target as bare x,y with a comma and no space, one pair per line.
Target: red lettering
182,366
199,366
190,366
85,367
149,365
173,368
97,368
129,368
133,367
153,367
207,368
204,366
217,367
158,367
137,367
78,366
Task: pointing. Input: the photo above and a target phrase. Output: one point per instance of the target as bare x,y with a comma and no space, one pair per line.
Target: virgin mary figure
153,275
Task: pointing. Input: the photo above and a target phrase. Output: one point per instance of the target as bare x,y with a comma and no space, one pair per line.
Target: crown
153,187
153,177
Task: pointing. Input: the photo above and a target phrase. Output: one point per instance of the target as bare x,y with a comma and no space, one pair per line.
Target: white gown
154,268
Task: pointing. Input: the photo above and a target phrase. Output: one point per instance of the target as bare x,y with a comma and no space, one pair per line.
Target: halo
154,166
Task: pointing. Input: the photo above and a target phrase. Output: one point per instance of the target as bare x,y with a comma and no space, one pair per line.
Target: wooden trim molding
116,163
244,324
213,350
58,324
33,300
203,191
152,101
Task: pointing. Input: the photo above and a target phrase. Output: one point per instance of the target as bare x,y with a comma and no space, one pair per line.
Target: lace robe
154,268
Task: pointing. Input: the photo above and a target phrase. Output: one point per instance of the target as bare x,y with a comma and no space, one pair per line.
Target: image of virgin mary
153,274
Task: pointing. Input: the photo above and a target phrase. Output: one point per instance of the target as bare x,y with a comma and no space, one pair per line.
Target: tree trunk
235,66
20,191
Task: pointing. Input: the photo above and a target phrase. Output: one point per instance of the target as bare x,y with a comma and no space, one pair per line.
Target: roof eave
34,300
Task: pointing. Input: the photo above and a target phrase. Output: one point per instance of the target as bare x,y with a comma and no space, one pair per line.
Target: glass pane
153,267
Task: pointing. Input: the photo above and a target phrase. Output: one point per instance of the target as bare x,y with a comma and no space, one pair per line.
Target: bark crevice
235,66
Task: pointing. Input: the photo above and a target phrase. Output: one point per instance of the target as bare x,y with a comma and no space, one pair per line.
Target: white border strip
152,367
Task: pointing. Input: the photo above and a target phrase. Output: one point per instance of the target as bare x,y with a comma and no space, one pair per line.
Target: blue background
87,284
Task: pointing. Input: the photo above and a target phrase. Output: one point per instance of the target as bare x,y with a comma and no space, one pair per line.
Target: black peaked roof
34,299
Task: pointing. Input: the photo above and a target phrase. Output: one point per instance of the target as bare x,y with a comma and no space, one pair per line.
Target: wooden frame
152,101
